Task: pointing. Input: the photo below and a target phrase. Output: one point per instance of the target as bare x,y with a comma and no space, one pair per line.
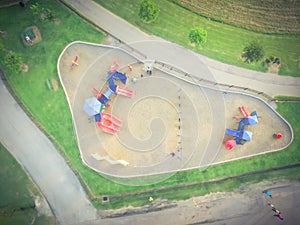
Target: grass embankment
225,43
191,183
17,194
51,109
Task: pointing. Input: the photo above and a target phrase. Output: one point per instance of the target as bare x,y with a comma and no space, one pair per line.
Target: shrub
272,59
36,9
45,13
148,11
13,61
198,36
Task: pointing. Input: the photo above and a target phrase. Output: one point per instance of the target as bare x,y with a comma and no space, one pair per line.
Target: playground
137,124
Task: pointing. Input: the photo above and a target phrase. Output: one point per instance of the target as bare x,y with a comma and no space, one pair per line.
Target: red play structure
105,121
244,112
108,123
278,135
230,144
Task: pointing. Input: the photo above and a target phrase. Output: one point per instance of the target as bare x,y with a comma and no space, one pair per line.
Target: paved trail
41,160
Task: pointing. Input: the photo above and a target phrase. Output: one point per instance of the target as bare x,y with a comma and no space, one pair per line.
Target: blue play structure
103,98
241,135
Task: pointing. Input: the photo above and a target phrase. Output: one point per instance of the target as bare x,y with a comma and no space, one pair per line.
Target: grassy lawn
198,189
17,194
224,43
51,109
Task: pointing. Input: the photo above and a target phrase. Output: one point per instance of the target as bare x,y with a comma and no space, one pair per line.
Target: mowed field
266,16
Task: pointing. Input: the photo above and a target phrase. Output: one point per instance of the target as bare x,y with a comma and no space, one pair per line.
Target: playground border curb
140,61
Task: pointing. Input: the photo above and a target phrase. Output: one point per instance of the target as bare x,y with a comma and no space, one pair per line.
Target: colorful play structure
75,62
105,121
241,135
28,36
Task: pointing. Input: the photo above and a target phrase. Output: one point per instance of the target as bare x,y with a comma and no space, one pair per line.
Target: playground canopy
247,135
92,106
252,120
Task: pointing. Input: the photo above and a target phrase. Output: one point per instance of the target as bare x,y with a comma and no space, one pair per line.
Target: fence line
211,84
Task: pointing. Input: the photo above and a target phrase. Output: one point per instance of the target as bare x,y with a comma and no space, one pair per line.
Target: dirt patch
274,68
54,84
24,68
57,21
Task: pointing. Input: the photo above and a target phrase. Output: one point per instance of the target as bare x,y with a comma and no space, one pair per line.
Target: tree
253,52
13,61
148,11
198,36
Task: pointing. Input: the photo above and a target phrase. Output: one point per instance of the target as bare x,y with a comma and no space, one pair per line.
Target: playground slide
98,93
234,133
112,118
244,112
111,161
109,123
113,67
106,129
124,92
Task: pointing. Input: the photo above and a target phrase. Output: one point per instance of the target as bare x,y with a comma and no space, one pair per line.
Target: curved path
48,169
42,161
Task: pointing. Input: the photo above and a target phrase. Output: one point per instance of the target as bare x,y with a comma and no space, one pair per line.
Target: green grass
288,98
225,43
190,190
17,194
51,109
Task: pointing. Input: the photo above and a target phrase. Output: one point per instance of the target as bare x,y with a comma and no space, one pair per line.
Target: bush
148,11
36,9
45,13
13,61
253,52
272,59
198,36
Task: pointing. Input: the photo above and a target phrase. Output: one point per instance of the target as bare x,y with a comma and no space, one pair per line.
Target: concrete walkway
41,160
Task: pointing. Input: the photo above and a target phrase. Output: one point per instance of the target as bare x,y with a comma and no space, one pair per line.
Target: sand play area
168,124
